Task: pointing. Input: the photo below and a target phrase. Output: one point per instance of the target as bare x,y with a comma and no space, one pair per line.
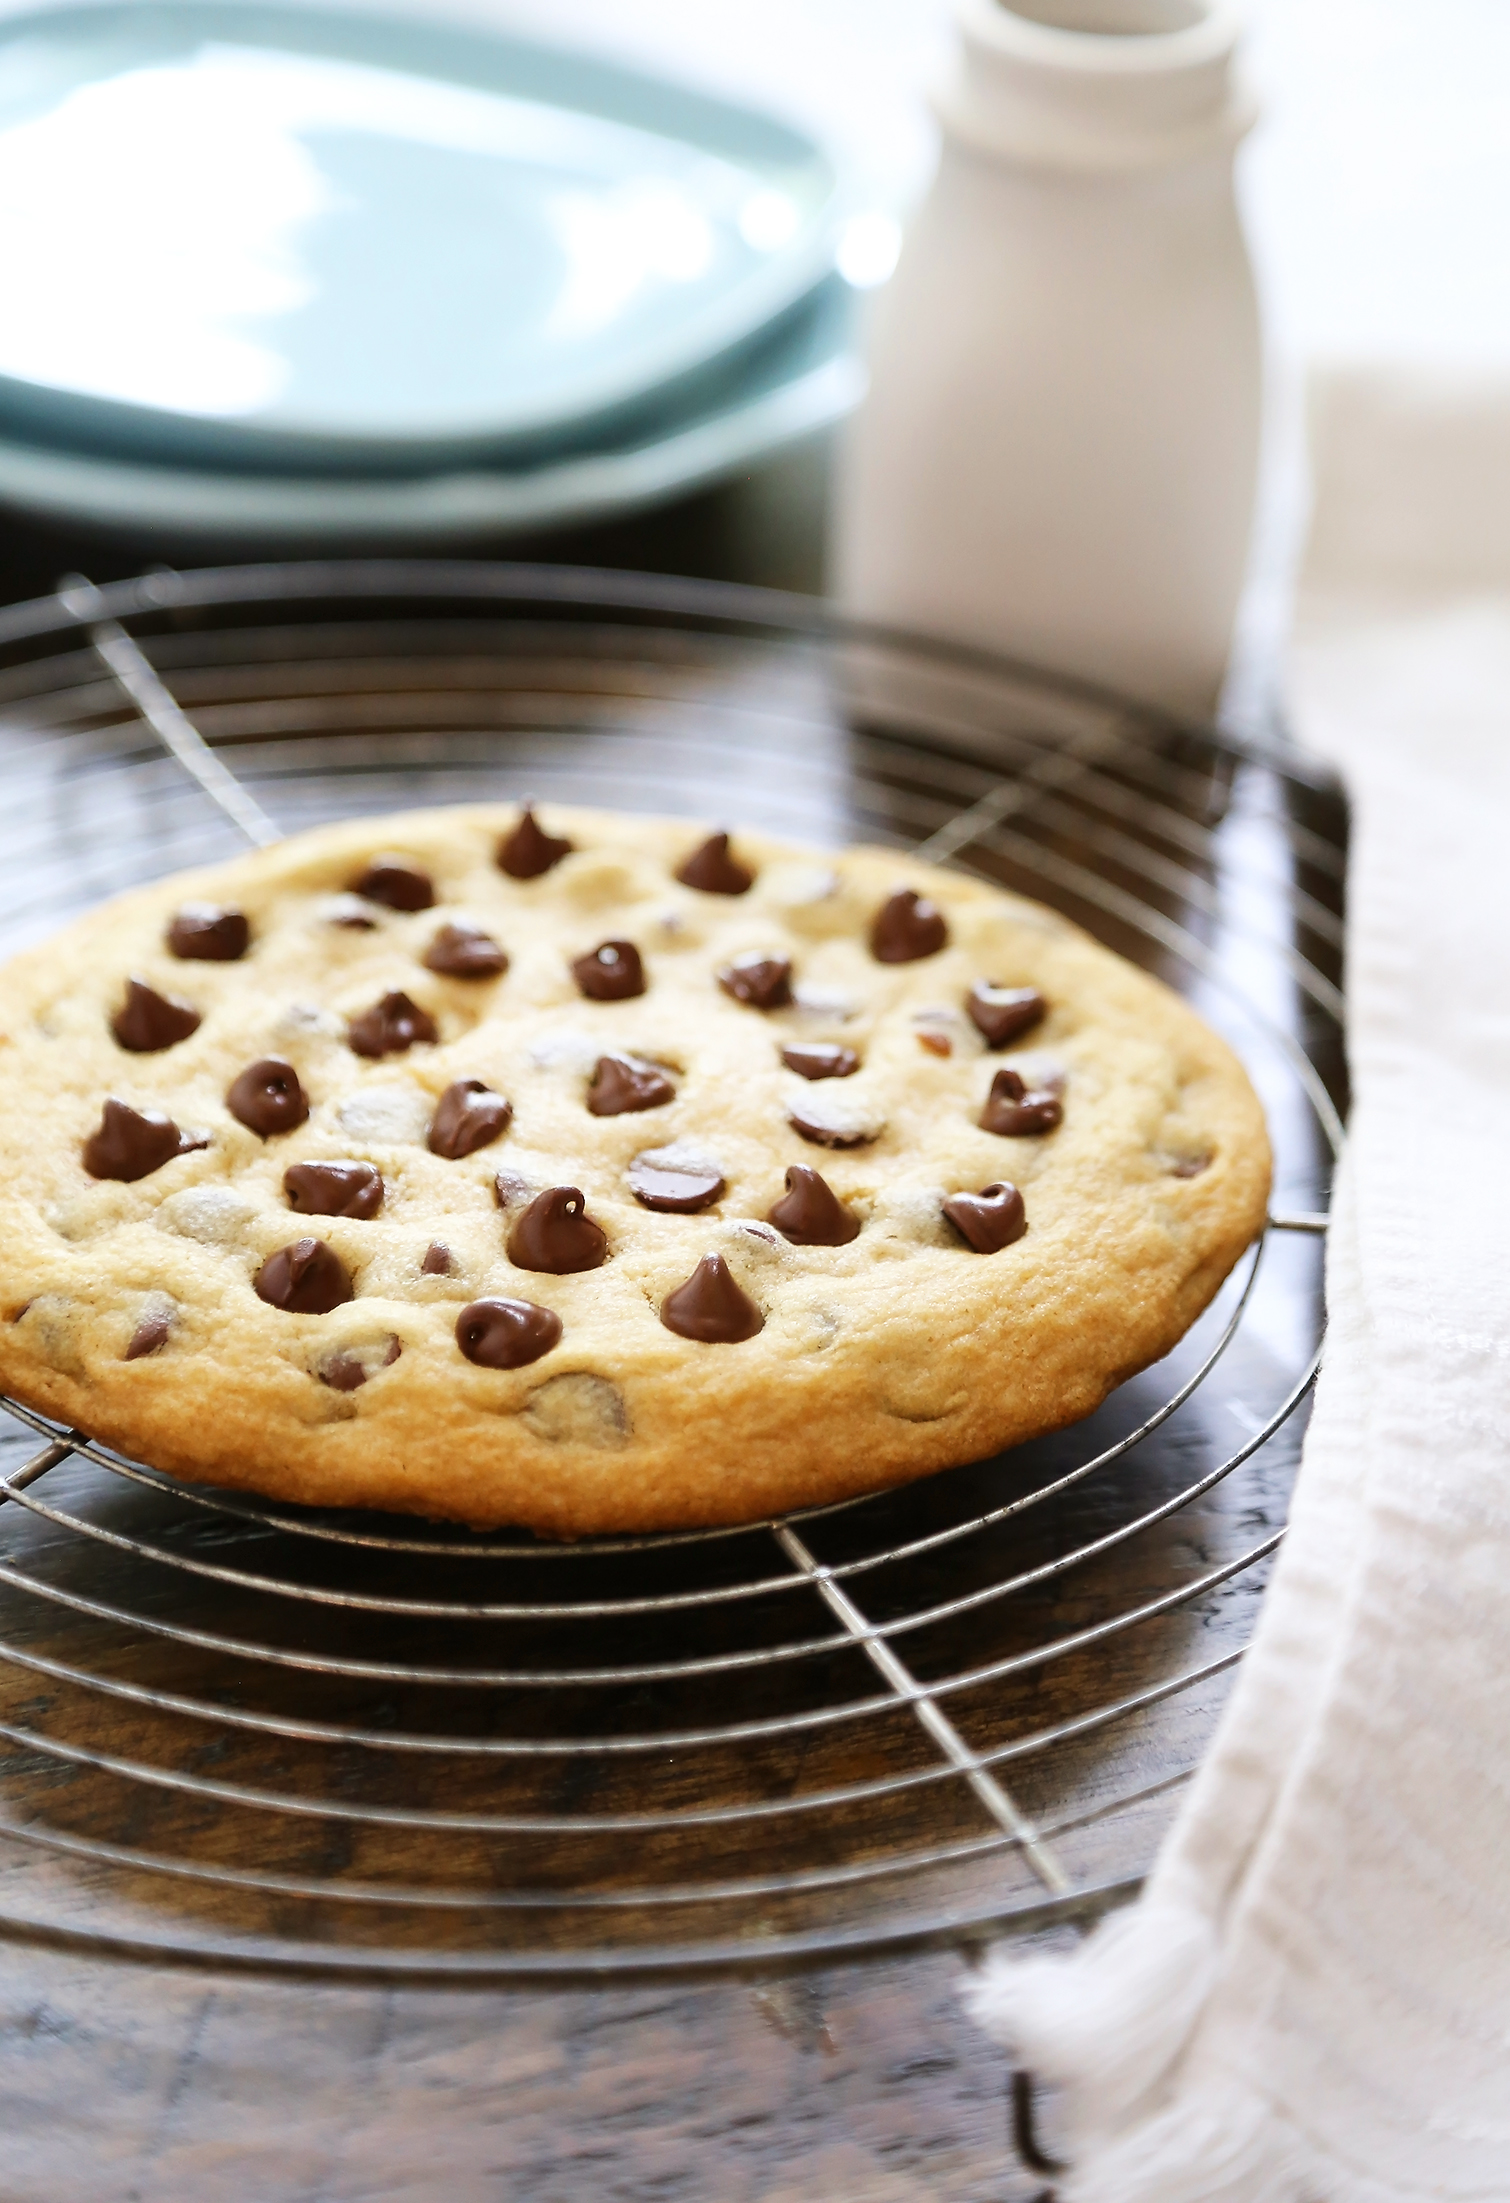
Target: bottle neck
1099,86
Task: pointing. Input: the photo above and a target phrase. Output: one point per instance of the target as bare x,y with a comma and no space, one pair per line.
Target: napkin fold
1311,2001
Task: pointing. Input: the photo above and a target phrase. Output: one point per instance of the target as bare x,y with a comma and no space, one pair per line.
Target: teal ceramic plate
248,236
801,377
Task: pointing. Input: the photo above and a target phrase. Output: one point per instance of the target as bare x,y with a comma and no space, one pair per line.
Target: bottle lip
1211,37
1043,95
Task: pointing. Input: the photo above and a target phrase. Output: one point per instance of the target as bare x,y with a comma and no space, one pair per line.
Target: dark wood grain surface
862,2084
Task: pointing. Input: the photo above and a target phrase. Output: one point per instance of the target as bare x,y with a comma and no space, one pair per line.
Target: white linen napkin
1311,2002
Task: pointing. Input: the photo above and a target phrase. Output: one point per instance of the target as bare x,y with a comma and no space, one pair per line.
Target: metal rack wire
244,1734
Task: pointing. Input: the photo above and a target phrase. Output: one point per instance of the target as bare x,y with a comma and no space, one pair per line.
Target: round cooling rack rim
605,588
1114,813
950,1929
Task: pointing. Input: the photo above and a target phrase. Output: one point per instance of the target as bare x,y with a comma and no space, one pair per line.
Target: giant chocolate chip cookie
596,1173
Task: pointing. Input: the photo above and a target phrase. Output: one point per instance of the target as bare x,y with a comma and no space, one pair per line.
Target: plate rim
202,506
85,425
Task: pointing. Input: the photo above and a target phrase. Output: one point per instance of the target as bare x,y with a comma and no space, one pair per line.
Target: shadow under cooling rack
249,1735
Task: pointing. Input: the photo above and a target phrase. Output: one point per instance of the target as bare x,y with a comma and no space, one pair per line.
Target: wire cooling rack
240,1733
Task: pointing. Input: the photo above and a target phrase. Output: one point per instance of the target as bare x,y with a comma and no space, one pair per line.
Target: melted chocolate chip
619,1086
679,1189
390,1027
346,1373
612,972
711,1306
268,1098
810,1213
465,952
437,1262
392,880
990,1219
149,1335
528,850
555,1233
210,933
712,871
334,1189
469,1115
1013,1112
760,982
307,1278
1002,1014
506,1334
147,1020
907,926
820,1059
131,1143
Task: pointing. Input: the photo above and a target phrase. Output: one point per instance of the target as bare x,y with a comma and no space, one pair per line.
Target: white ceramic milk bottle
1057,453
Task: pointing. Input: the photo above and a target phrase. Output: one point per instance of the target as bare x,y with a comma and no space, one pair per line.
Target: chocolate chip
390,1027
509,1189
210,933
907,926
711,1306
268,1098
760,982
577,1409
1190,1166
149,1335
131,1143
660,1181
346,1372
307,1278
506,1334
555,1233
810,1213
832,1131
619,1086
465,952
347,912
1013,1111
820,1059
612,972
990,1219
469,1115
1004,1013
437,1262
528,850
396,882
712,871
147,1020
334,1189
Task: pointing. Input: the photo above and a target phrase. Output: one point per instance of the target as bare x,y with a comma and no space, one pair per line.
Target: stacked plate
272,272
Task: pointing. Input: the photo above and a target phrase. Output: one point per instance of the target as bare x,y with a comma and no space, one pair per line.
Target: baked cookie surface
591,1173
